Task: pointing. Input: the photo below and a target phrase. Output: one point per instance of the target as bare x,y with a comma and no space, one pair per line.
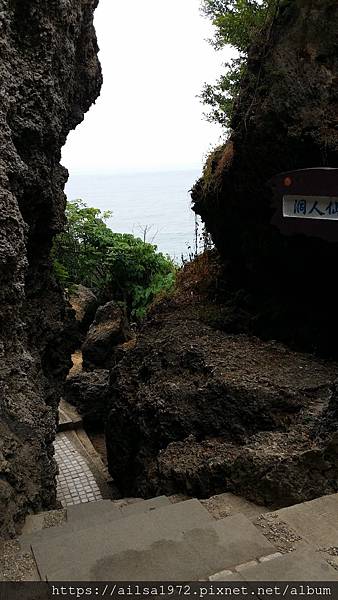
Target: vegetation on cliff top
115,265
237,23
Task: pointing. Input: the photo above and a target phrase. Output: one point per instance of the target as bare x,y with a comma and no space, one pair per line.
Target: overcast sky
155,58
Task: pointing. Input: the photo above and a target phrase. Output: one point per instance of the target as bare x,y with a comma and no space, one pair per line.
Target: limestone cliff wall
49,77
286,118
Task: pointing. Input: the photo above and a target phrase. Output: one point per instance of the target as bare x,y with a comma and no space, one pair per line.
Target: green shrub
115,265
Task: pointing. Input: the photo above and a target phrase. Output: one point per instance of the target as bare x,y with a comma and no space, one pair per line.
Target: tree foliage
115,265
237,23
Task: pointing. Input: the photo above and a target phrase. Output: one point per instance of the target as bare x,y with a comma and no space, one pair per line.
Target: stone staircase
183,541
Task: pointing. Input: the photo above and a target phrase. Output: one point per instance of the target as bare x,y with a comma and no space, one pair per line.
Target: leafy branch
237,23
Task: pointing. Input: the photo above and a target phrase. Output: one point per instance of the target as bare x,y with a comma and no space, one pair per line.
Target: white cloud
155,59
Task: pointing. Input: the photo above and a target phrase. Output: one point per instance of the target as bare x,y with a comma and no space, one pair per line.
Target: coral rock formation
50,75
84,302
285,118
196,411
109,331
88,393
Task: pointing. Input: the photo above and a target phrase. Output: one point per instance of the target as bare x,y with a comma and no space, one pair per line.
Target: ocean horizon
158,201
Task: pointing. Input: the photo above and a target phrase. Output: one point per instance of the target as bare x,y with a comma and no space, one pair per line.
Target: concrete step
69,418
44,520
84,512
227,505
90,514
303,565
315,521
179,542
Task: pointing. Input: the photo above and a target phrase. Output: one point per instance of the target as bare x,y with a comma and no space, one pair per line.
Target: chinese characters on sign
310,207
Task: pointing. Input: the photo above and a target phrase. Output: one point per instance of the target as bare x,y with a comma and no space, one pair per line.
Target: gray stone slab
79,512
82,512
182,516
33,523
66,424
52,534
315,521
90,514
180,542
305,565
231,542
160,560
154,544
140,507
41,521
69,418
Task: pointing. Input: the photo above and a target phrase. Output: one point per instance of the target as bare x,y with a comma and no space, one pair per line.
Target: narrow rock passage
76,482
82,475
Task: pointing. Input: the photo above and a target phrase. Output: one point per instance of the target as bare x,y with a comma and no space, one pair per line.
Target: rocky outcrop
109,331
84,302
49,77
275,470
196,411
88,393
329,422
286,117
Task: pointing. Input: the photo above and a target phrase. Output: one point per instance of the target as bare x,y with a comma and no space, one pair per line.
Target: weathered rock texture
84,302
49,75
103,346
196,411
286,117
88,393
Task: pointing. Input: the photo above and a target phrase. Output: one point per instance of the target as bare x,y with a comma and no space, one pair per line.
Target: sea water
157,205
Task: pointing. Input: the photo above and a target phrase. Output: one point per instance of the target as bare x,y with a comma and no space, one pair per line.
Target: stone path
82,477
156,540
75,482
176,541
224,538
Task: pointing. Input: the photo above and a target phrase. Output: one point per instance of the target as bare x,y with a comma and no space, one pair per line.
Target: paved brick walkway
75,483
